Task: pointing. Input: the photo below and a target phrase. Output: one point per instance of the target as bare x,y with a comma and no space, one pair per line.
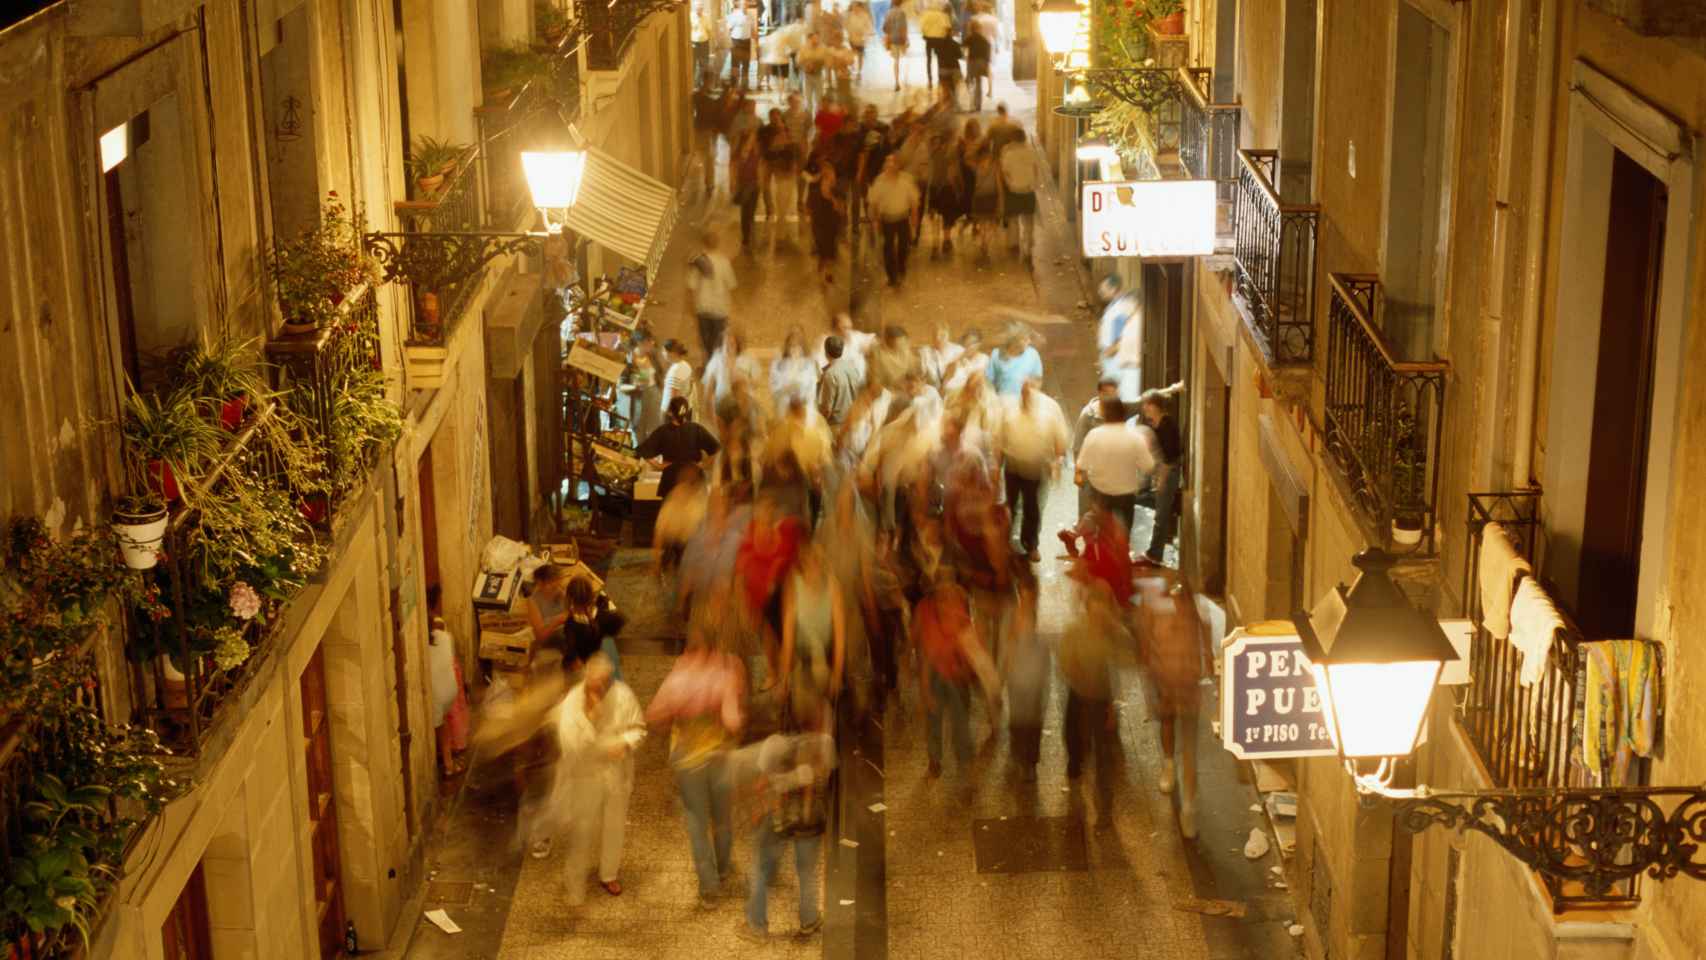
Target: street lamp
1057,21
1376,659
554,179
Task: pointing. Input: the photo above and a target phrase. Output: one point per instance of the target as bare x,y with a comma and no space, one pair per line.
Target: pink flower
244,601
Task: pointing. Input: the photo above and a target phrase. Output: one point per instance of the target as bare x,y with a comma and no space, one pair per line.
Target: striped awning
623,210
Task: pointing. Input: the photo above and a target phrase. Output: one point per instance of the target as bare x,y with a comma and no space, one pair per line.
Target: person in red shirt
947,643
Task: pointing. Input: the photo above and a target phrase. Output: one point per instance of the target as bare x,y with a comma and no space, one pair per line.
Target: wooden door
1623,404
185,934
322,809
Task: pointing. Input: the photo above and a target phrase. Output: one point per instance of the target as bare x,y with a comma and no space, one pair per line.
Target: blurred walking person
1033,443
598,726
702,701
788,776
1025,672
947,642
829,215
1172,659
711,280
896,38
859,29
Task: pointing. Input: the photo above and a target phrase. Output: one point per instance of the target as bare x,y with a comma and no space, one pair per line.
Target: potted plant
1167,16
167,441
552,22
431,161
313,271
505,70
229,377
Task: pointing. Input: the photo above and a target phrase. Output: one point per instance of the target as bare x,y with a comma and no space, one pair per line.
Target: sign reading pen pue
1268,704
1148,218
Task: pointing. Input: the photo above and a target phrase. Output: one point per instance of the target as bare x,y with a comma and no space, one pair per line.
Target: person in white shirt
1017,174
793,375
598,726
678,379
740,40
711,280
895,202
1115,460
972,361
1033,442
936,358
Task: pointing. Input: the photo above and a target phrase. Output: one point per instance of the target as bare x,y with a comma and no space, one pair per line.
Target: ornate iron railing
177,688
1528,736
315,370
1208,133
1384,415
610,26
1274,244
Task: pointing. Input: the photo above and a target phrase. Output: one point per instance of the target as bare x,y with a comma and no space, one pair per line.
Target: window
1415,261
185,934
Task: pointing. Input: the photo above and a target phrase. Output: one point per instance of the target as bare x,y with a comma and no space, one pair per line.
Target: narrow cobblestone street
1100,873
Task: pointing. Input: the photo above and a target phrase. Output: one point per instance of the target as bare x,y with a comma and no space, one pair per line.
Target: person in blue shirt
1119,353
1014,363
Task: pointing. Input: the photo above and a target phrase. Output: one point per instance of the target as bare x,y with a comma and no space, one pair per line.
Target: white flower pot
140,536
1406,536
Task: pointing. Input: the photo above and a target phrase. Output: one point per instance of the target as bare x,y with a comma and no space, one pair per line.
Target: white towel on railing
1535,623
1500,567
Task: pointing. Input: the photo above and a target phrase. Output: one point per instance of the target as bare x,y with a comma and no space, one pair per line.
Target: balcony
1529,736
1384,419
1208,133
332,377
610,26
1274,245
439,301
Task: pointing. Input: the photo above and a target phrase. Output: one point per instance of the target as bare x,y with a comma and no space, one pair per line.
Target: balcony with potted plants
251,491
74,789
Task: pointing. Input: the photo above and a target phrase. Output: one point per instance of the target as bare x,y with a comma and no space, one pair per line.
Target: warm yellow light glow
1077,94
115,146
1057,21
1097,151
1375,709
554,179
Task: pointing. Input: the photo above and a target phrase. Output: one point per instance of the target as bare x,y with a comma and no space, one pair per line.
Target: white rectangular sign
1148,218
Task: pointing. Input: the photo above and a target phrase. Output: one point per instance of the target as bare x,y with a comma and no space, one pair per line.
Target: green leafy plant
1157,9
506,68
429,157
551,22
168,441
95,785
313,271
365,417
229,368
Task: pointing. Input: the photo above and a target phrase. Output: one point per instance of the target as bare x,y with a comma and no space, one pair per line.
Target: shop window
185,934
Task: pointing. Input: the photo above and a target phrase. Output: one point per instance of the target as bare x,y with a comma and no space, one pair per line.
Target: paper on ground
877,807
849,843
442,920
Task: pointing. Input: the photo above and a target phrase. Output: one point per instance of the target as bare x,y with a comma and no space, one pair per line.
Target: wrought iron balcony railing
1527,736
321,373
1208,132
177,687
1384,416
1274,243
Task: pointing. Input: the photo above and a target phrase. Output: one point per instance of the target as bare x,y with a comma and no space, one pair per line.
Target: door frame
1605,116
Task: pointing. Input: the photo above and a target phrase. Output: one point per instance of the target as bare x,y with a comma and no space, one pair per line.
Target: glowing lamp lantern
1375,659
554,179
1057,21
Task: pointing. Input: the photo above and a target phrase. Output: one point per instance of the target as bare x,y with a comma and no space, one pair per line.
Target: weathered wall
1261,55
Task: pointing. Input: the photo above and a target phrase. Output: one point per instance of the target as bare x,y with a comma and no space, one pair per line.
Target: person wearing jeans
1166,477
791,775
701,700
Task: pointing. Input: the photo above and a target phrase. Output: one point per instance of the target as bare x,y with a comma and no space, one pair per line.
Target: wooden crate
506,640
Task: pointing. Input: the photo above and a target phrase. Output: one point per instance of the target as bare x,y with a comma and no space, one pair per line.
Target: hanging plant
313,271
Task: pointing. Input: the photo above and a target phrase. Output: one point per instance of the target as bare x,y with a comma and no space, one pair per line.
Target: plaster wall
1261,57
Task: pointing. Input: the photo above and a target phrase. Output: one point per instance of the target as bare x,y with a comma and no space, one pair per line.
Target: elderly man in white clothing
598,726
1033,443
1116,461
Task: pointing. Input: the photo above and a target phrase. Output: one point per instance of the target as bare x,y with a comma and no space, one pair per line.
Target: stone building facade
237,119
1461,186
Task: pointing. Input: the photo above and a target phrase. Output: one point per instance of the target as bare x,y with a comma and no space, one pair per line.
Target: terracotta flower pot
231,413
161,479
1172,24
428,186
426,311
314,508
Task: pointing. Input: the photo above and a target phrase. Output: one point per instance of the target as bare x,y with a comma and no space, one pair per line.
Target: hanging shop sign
598,361
1268,704
1148,218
